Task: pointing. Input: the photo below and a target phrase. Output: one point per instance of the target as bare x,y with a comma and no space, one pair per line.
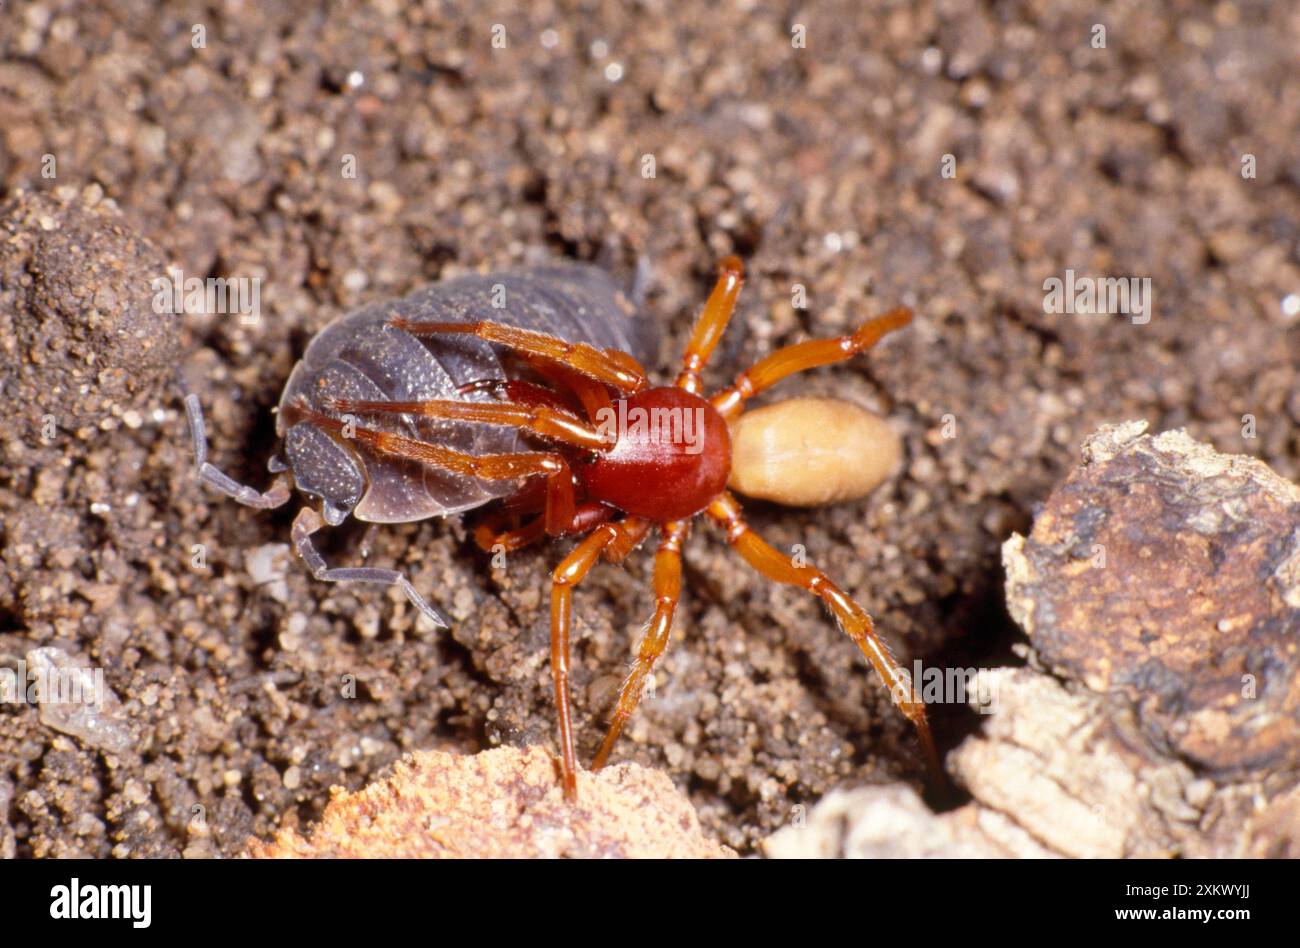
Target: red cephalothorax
671,459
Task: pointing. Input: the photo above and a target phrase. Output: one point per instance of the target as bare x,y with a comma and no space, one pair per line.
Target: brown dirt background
819,166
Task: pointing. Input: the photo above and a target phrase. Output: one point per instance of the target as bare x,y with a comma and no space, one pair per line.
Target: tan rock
502,803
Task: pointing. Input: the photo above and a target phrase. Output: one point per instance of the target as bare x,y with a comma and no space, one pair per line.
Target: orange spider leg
524,393
586,517
804,355
571,571
538,419
712,322
611,366
489,467
632,530
588,391
851,617
529,499
668,590
489,537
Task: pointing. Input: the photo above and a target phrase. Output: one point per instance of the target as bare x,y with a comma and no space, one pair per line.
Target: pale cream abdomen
806,452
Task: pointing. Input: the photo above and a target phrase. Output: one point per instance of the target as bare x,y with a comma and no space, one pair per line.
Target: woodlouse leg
611,366
540,420
615,540
852,618
712,322
668,589
489,467
308,522
210,474
804,355
367,540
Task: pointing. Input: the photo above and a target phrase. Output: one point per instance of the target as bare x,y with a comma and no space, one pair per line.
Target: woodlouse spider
625,458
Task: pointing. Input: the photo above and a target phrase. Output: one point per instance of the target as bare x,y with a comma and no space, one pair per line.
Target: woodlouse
361,355
443,410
